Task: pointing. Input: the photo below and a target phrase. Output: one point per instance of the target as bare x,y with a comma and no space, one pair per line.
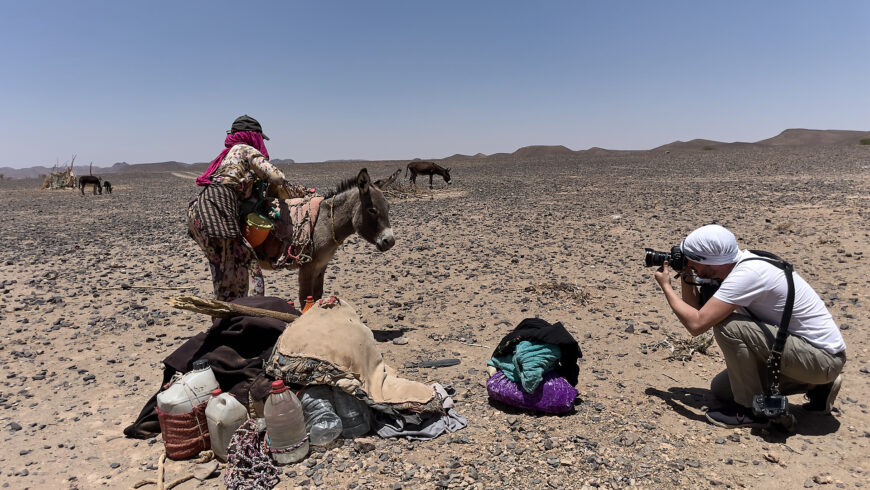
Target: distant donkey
90,180
427,168
107,186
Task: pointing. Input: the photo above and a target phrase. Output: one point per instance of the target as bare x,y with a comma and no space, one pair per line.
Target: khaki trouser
746,344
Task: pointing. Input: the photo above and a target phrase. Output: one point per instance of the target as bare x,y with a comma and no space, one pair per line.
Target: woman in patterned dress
213,217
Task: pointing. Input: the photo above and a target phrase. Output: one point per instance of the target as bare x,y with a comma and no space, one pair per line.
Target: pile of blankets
247,353
535,367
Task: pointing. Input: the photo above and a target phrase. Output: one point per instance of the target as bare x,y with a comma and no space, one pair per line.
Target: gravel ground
561,239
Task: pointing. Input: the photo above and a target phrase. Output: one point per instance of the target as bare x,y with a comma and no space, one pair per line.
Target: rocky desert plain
543,232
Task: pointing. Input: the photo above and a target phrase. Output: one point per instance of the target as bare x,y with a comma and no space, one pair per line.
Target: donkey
107,186
88,180
355,206
427,168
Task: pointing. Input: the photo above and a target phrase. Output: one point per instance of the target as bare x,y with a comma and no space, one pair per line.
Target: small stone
720,440
823,479
114,465
363,446
400,341
14,426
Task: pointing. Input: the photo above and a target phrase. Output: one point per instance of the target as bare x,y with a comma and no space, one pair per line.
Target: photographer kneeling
760,290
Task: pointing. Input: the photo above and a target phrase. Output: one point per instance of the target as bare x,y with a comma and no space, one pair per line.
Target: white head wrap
711,245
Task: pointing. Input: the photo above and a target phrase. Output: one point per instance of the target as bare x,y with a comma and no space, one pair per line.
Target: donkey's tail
406,171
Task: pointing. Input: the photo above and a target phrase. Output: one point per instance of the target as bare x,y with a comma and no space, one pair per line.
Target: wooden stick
222,309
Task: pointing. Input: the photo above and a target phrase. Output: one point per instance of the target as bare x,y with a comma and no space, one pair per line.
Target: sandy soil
83,343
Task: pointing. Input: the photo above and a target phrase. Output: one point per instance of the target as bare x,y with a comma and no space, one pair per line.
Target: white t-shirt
762,288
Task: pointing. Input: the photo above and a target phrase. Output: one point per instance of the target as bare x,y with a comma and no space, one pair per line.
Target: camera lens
654,259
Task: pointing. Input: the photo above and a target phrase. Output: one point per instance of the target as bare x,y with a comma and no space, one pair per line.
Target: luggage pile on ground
238,391
535,368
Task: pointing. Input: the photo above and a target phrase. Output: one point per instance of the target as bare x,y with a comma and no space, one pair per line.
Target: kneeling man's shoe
821,398
735,416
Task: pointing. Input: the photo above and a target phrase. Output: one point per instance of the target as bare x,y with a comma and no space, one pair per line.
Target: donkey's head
447,175
371,219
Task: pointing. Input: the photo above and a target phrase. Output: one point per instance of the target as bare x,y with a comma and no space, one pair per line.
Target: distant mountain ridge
789,137
116,168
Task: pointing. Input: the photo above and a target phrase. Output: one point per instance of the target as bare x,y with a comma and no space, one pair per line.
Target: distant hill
695,144
541,151
598,151
789,137
815,137
120,167
459,156
170,166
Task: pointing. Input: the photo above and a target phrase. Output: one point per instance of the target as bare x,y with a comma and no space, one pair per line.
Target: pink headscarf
250,138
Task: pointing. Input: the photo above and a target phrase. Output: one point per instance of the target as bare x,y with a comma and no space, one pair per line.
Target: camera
775,409
675,258
770,406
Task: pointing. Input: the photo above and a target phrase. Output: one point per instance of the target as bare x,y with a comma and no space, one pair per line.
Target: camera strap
774,360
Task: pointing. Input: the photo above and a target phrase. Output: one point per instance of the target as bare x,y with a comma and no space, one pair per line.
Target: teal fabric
528,364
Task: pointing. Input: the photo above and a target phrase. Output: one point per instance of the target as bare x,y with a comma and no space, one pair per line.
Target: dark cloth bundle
236,349
535,329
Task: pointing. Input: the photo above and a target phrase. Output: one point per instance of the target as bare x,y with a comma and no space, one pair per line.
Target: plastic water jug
285,425
224,414
355,414
323,424
187,391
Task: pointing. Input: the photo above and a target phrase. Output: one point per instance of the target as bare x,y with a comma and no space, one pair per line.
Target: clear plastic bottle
188,391
323,424
354,413
224,415
285,425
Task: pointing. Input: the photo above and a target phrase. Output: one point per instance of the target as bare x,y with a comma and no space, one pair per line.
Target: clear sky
152,81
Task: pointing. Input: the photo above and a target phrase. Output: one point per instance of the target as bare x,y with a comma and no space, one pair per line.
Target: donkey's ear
363,181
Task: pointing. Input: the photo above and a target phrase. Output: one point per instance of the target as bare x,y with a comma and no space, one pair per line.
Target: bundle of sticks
222,309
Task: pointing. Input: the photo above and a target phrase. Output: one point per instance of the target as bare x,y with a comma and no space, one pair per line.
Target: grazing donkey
107,186
355,206
89,180
427,168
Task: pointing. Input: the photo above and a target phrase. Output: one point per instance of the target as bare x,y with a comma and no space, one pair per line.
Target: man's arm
696,321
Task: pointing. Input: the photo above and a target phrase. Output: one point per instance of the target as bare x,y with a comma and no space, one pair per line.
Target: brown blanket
331,332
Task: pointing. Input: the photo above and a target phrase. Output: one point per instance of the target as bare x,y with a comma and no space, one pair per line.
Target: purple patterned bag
554,395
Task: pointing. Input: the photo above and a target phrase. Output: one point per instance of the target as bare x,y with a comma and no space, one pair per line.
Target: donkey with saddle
303,232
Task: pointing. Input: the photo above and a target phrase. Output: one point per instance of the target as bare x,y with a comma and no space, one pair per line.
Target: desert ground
85,328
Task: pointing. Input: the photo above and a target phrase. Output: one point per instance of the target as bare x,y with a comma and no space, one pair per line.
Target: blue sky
154,81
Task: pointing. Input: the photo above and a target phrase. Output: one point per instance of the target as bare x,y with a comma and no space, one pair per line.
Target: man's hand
662,275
